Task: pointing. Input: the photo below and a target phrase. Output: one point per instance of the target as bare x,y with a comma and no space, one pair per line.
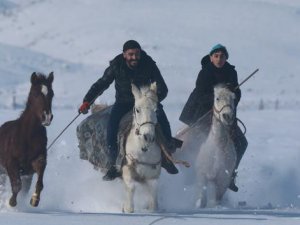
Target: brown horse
23,142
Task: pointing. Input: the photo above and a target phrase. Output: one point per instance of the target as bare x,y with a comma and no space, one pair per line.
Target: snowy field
77,38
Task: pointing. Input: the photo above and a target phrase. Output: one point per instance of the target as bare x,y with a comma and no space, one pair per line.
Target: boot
178,143
111,174
168,165
232,185
173,144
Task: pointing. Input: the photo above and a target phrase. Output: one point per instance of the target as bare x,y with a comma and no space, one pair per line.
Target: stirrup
232,185
168,166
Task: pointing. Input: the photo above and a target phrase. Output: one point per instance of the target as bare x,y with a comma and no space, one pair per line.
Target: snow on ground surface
76,39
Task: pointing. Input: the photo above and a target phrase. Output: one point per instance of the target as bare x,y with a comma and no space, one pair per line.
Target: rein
241,122
219,111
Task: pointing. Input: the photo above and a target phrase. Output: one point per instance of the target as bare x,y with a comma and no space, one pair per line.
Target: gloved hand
84,108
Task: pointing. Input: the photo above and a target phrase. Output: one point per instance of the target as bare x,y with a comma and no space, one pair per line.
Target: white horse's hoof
199,203
152,208
211,204
127,209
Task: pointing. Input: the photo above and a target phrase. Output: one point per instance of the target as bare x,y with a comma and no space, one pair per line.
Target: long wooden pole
182,132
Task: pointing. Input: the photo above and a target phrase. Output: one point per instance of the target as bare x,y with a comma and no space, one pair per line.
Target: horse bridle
219,111
137,130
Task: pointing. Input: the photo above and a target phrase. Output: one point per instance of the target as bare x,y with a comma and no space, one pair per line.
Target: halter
137,130
219,111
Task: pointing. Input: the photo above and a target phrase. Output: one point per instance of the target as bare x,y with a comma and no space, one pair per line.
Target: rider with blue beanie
215,70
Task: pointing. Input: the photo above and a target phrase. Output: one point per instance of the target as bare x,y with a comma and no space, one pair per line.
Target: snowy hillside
258,34
77,38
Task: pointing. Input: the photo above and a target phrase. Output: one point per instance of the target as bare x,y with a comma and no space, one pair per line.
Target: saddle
91,134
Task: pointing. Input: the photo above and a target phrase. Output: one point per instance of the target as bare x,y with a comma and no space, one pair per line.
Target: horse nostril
226,116
145,137
51,117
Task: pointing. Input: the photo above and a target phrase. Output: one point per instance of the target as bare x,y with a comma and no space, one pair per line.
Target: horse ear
153,87
51,77
34,78
135,91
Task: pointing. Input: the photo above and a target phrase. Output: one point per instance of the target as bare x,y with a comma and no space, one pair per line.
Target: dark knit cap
218,48
131,44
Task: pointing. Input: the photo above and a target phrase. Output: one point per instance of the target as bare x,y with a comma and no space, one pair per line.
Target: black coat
118,71
202,97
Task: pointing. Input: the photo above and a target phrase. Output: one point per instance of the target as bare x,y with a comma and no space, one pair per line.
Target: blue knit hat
218,48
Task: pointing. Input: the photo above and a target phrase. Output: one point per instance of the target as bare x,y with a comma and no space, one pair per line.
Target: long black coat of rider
215,70
139,69
202,97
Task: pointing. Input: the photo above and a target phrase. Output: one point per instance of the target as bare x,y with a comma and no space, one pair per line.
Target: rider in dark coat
132,66
215,70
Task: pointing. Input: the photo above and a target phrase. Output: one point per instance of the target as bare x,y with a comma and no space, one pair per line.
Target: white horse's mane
149,93
222,89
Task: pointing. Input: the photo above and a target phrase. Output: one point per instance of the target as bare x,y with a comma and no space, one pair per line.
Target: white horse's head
224,107
145,112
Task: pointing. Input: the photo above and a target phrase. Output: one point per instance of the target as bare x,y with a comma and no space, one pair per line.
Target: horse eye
217,99
138,111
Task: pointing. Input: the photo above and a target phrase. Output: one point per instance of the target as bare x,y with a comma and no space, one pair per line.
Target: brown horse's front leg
38,166
15,181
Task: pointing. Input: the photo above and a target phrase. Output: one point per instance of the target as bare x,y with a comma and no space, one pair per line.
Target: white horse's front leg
211,194
128,206
202,196
151,186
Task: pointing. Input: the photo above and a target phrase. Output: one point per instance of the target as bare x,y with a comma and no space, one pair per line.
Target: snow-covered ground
77,38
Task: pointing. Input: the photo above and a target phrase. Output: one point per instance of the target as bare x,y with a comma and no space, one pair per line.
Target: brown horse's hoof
34,201
12,202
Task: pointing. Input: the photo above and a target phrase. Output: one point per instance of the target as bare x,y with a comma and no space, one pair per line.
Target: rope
69,124
245,129
175,161
62,131
161,142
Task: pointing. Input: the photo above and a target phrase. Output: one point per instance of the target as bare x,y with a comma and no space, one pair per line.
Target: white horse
217,156
143,155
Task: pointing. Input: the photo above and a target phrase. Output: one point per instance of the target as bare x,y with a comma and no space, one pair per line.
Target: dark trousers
117,112
240,143
164,122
